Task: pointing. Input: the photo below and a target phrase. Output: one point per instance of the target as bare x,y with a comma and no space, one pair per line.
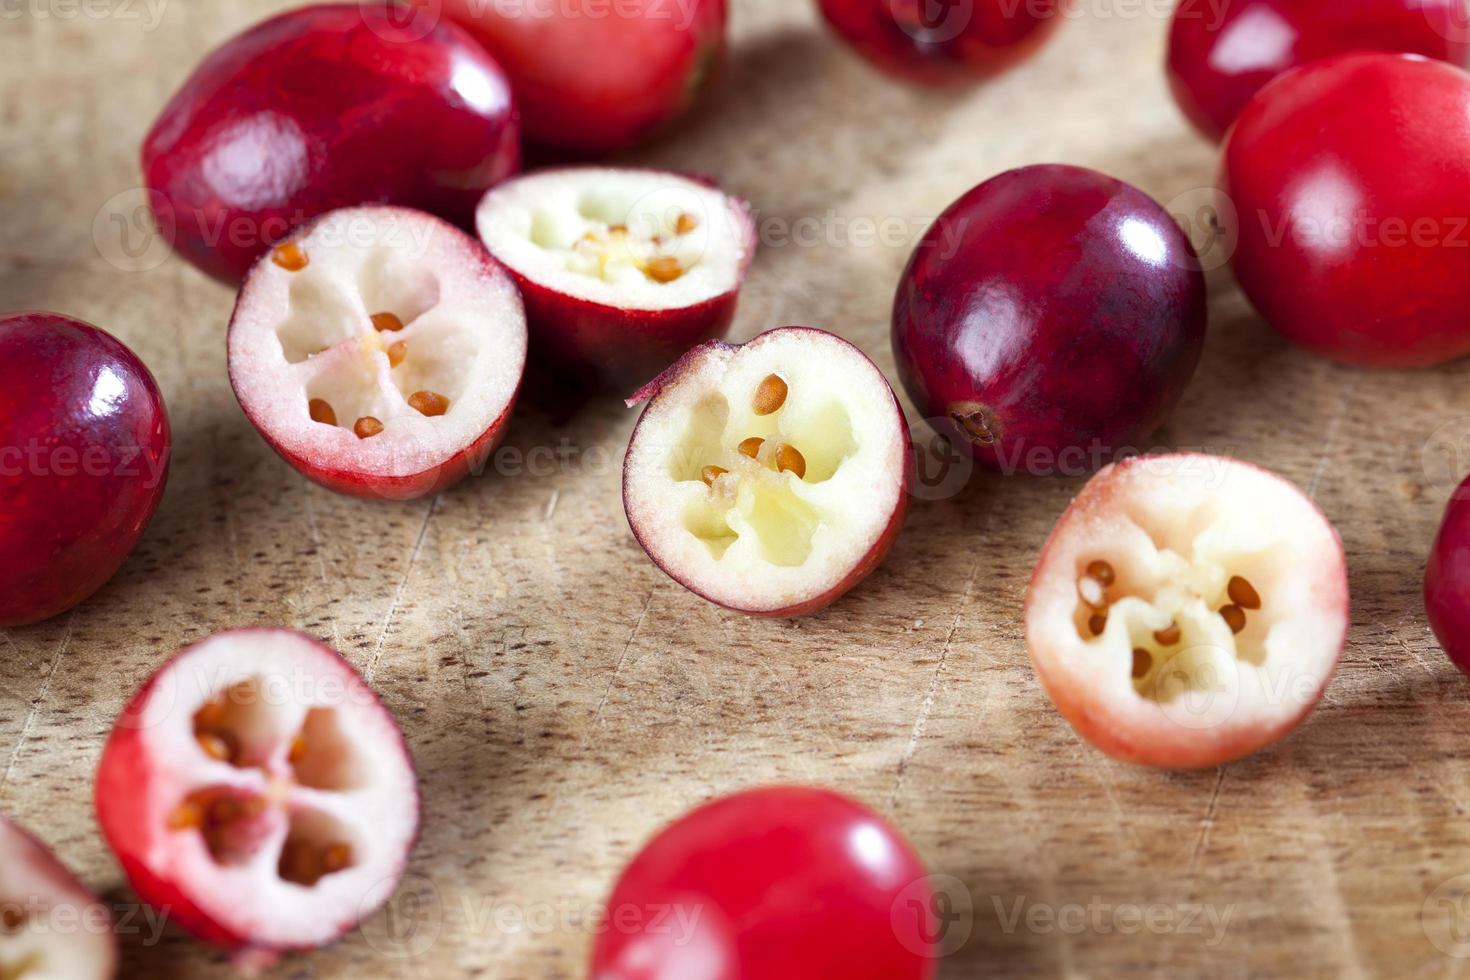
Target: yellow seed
187,816
752,447
11,919
298,749
1169,635
1243,594
1102,571
219,746
386,322
618,230
321,411
665,268
789,460
301,863
429,403
210,715
367,427
712,473
1142,662
686,223
336,857
397,352
290,257
770,395
1097,622
1234,617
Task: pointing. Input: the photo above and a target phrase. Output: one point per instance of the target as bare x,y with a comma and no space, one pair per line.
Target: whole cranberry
84,450
1222,52
1050,319
1355,242
592,76
947,42
321,108
1447,580
787,883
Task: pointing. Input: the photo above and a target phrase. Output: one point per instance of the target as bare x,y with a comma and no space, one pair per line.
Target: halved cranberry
50,924
84,454
322,108
258,790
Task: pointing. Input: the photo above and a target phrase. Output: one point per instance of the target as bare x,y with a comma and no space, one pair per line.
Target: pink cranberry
1221,53
1050,318
322,108
84,449
946,42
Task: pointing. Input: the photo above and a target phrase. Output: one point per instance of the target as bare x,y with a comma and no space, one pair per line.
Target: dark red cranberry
321,108
779,884
593,76
946,42
84,449
1222,51
1356,242
1050,318
1447,580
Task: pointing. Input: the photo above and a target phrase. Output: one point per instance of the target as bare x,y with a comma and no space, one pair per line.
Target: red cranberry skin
593,77
1051,310
1447,580
84,452
1220,57
946,43
322,108
785,883
1356,243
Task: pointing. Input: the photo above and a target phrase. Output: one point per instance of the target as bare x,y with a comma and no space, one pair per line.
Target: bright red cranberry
593,76
1222,51
84,451
780,884
1050,318
1356,242
321,108
945,42
1447,580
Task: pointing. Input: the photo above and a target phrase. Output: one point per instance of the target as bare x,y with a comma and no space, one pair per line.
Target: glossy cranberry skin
592,76
1447,580
1355,242
944,42
1050,319
785,883
84,450
321,108
1221,52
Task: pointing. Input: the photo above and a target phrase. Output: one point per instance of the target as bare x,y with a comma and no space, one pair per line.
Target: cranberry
1187,610
39,897
780,884
1356,242
84,451
1447,580
1050,318
593,76
321,108
1221,53
945,43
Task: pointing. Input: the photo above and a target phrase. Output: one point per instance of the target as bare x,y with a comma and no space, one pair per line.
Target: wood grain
564,699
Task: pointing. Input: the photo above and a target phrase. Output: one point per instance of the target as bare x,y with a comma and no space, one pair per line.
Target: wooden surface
564,699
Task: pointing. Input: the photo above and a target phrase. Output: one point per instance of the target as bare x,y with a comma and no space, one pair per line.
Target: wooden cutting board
564,699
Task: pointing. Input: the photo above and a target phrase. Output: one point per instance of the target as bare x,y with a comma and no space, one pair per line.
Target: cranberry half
785,883
84,451
1221,54
947,42
322,108
591,76
1355,242
1050,318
